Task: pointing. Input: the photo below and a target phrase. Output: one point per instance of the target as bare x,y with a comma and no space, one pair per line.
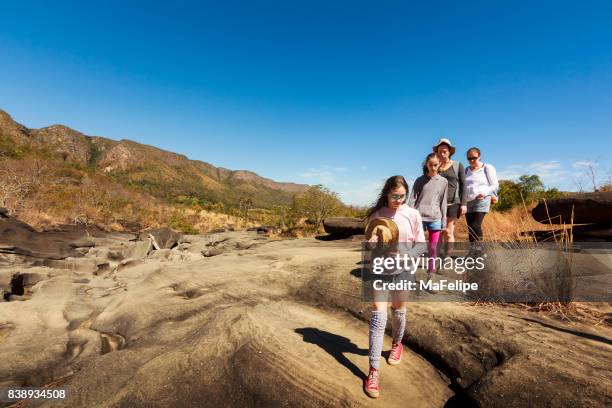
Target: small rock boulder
344,226
165,237
139,249
212,252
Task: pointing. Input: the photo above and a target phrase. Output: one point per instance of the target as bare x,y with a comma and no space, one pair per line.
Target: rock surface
17,237
275,323
580,208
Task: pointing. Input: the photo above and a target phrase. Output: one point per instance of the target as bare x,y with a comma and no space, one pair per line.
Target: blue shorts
432,225
483,205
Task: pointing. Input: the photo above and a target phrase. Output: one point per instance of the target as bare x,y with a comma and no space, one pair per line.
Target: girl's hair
383,200
473,149
429,156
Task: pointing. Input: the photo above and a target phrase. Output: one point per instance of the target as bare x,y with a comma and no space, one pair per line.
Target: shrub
315,204
528,189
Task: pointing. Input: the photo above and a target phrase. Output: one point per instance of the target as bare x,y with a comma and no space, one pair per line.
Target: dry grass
74,196
504,226
508,226
46,192
153,215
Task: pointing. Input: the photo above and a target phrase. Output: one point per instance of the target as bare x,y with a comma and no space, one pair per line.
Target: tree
509,195
530,184
18,179
315,204
528,189
281,217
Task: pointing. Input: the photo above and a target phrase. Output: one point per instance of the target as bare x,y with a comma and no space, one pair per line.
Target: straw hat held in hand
383,230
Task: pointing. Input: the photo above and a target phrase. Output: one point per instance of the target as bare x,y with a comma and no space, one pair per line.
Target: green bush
528,189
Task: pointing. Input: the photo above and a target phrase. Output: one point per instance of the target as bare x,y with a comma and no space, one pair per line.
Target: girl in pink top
391,204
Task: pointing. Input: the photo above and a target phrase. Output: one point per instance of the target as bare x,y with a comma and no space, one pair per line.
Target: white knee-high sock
398,324
378,321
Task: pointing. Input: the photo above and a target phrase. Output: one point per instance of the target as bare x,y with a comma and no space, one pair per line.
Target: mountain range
162,174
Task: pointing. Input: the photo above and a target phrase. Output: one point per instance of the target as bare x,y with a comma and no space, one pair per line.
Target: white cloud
363,194
584,164
551,172
322,174
352,189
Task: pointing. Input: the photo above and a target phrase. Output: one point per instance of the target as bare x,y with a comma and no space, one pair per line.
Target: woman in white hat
390,219
454,172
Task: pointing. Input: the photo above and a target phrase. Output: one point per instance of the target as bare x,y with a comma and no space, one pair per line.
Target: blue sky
344,93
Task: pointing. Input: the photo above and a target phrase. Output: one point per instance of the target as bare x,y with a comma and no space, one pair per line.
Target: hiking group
446,191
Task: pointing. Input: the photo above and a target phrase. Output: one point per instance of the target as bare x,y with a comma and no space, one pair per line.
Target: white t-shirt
476,181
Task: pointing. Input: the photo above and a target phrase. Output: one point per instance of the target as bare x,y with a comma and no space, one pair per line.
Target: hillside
162,174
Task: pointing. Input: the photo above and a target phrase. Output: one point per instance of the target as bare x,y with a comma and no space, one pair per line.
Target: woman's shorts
479,205
432,225
452,211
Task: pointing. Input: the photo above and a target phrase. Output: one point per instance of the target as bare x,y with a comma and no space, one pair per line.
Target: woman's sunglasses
397,197
472,158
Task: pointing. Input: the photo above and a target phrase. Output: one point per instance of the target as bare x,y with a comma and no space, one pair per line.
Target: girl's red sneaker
372,383
395,356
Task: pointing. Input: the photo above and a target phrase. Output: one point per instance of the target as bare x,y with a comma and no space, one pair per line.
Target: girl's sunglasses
397,197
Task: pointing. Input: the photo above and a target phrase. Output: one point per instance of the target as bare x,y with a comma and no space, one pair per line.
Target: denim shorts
432,225
479,205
